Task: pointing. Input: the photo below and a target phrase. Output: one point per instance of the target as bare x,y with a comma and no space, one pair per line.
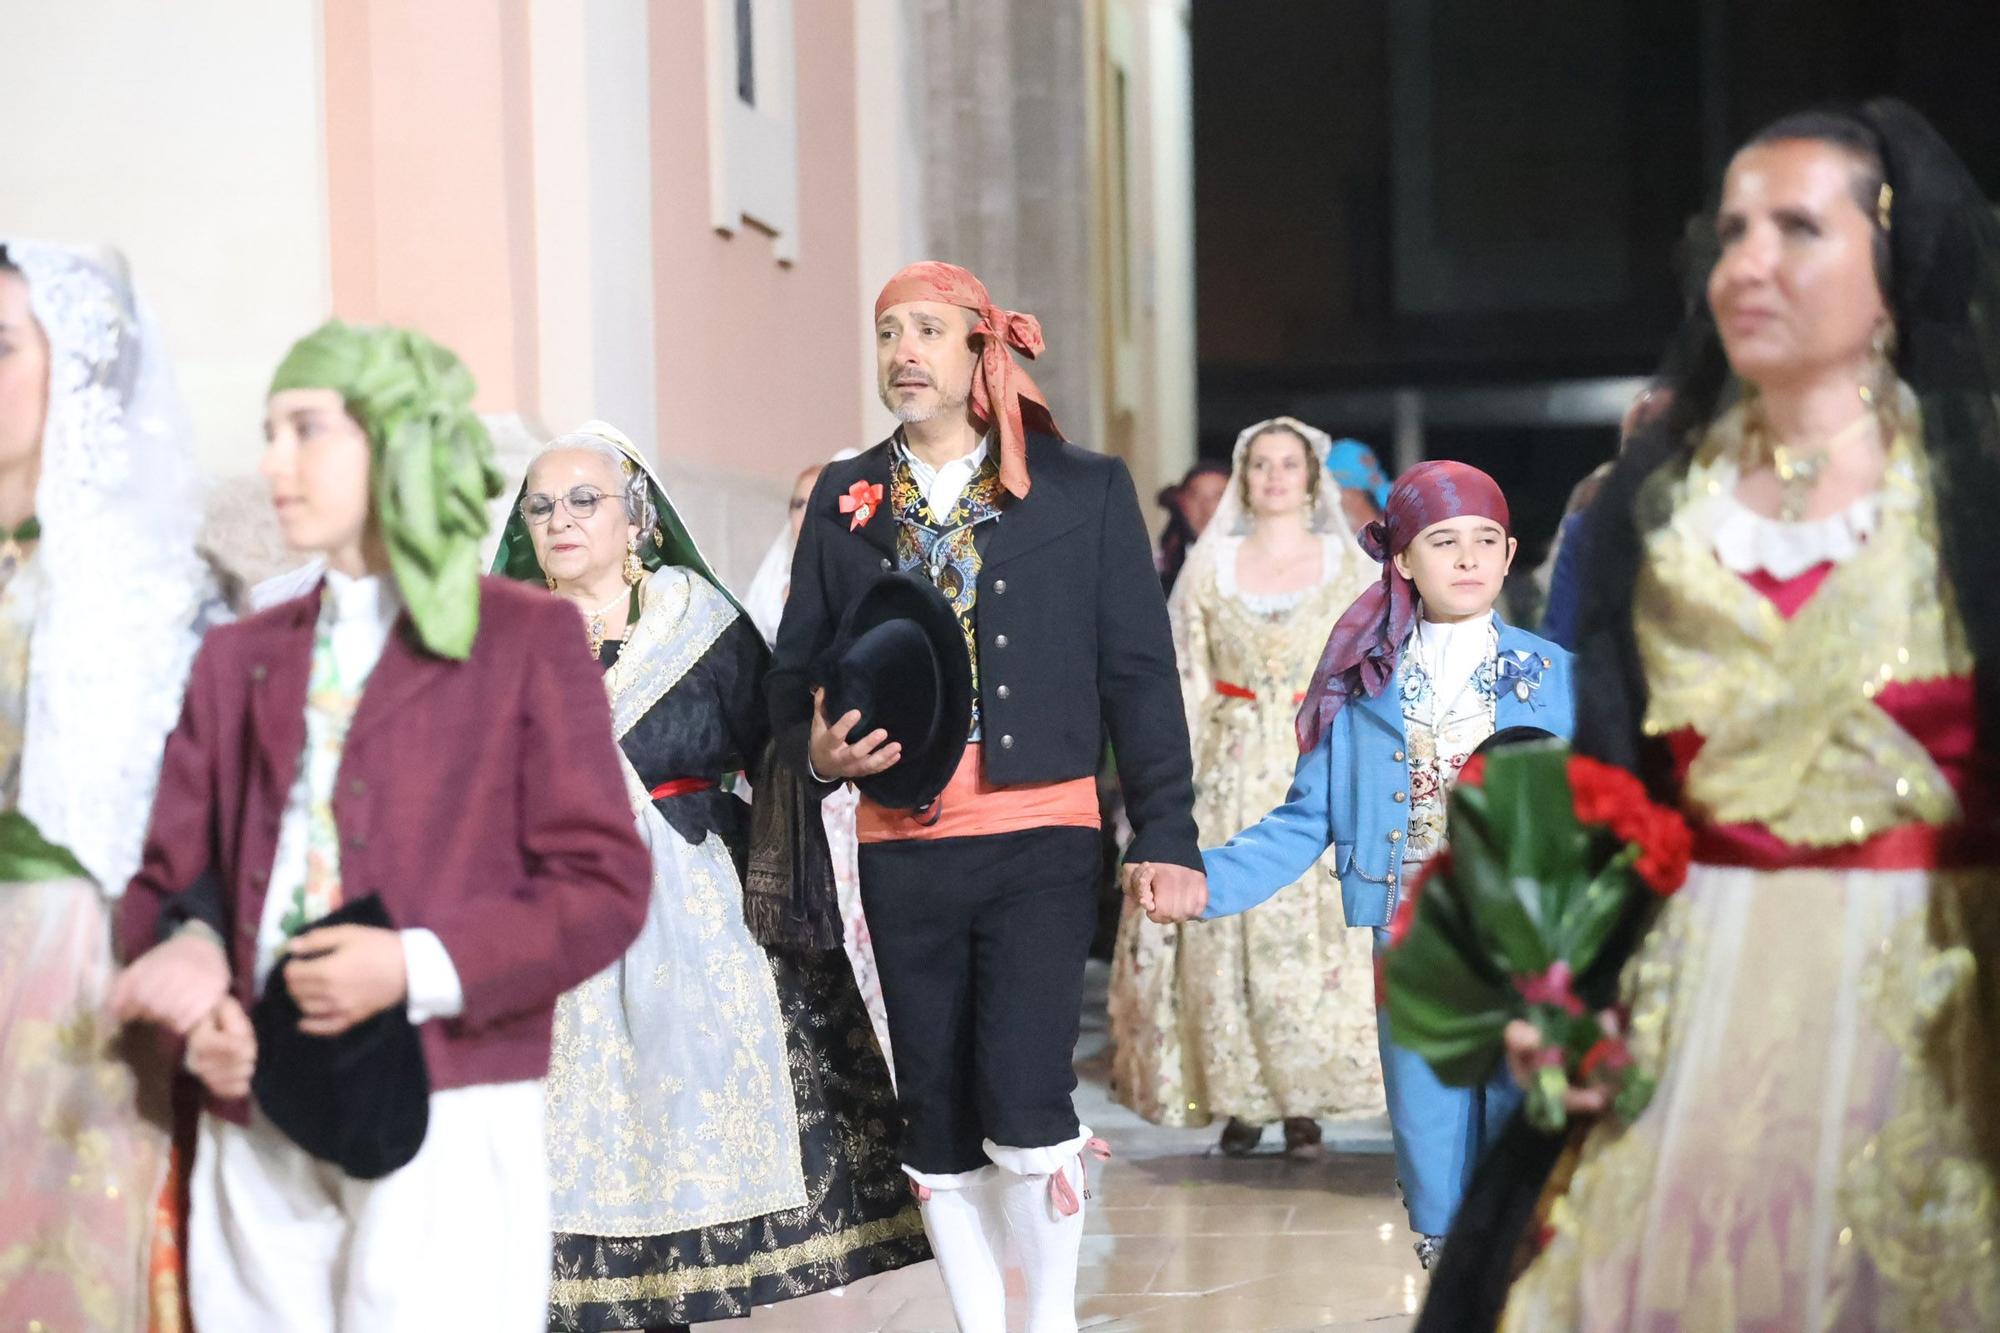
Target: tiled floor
1179,1238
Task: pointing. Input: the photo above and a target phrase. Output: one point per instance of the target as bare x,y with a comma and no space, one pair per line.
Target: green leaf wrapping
1526,897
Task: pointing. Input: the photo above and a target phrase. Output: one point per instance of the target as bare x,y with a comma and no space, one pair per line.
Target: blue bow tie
1522,671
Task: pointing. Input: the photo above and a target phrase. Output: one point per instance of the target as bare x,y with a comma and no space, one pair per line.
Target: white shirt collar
1455,637
943,485
370,597
924,470
1451,653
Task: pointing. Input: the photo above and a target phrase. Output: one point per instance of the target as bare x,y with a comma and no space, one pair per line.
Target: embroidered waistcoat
944,550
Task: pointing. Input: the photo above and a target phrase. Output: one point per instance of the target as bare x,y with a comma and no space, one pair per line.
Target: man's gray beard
911,415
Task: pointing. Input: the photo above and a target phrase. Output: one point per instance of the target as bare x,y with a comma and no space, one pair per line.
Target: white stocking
968,1235
1042,1193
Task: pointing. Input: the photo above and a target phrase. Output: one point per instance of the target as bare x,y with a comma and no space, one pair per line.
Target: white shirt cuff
432,982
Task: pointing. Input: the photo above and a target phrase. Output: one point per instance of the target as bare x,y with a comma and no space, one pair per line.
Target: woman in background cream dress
1269,1015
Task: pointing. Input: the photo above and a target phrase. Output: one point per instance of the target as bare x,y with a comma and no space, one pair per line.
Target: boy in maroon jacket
412,734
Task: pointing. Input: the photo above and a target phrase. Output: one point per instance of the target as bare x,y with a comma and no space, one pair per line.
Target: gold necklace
1799,470
594,622
1797,473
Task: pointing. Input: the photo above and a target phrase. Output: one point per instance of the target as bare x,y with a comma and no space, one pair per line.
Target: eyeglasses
538,507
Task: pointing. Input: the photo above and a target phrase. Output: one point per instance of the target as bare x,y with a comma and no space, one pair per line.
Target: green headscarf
432,463
665,542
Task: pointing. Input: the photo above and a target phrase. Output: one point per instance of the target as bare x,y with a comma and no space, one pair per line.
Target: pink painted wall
758,359
430,179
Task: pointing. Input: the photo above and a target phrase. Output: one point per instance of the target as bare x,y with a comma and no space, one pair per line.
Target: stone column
999,90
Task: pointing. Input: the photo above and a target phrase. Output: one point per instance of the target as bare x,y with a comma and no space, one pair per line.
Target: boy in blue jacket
1430,672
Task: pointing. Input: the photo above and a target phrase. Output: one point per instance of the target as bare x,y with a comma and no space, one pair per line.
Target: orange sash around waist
971,807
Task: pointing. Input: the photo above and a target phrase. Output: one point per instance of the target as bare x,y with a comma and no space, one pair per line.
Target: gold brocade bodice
1270,653
1793,738
1265,645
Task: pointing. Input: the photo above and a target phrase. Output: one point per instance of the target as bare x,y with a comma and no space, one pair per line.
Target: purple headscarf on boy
1361,654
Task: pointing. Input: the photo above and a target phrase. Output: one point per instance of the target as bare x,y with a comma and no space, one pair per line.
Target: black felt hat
360,1100
900,660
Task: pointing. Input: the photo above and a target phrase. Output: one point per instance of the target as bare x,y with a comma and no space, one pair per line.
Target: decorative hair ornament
1884,198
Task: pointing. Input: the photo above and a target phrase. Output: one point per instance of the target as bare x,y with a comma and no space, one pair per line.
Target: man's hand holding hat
834,758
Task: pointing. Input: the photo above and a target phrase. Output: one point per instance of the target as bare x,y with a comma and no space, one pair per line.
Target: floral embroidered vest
943,550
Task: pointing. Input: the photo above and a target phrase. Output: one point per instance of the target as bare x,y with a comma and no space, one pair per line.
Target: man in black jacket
981,908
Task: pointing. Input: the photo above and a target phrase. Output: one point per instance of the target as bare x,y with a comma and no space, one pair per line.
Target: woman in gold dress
1268,1015
1792,633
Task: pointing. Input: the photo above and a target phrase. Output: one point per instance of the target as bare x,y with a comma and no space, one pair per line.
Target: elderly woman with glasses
718,1109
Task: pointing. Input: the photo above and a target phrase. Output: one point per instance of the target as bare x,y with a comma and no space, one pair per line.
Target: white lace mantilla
124,591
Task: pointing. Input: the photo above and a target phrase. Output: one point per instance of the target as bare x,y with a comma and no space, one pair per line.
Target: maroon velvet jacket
481,800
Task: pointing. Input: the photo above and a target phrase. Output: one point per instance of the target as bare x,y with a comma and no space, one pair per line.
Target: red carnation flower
1610,1054
1473,770
1605,796
1664,852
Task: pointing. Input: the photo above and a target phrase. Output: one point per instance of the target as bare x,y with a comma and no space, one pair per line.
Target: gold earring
634,571
550,579
1881,393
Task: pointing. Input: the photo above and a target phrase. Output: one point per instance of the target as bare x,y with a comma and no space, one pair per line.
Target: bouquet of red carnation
1552,856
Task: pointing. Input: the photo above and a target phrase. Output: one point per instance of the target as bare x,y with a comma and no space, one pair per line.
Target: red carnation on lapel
861,500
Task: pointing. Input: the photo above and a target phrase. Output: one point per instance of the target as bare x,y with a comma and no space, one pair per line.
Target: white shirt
359,614
1451,652
942,485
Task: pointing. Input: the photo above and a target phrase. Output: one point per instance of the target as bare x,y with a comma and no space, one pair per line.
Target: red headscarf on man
997,381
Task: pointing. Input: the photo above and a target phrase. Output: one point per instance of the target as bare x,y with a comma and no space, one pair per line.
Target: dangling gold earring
550,579
1878,347
1880,390
634,571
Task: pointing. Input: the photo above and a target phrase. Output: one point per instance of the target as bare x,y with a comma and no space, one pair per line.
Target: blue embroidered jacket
1351,792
